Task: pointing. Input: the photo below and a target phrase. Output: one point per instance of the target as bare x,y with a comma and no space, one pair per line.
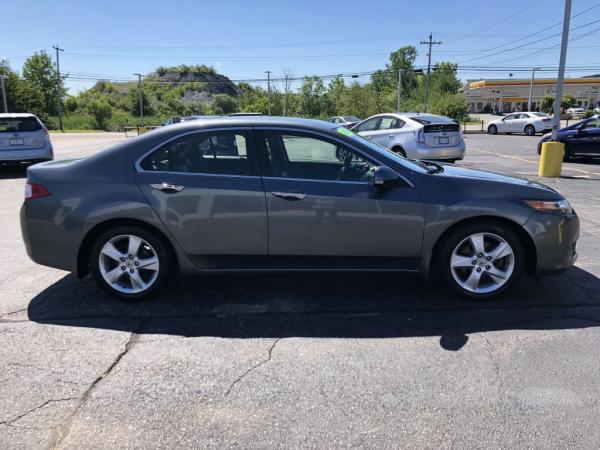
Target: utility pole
531,88
429,42
58,87
139,75
561,69
399,90
268,72
2,77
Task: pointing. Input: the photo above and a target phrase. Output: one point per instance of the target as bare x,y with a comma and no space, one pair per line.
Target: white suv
23,138
415,135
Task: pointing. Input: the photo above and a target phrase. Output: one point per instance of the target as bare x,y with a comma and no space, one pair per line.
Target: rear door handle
291,196
168,188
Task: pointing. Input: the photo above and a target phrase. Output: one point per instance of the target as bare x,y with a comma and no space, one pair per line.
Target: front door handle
291,196
168,188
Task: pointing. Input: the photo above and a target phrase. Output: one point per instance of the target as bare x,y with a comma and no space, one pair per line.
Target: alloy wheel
482,263
129,264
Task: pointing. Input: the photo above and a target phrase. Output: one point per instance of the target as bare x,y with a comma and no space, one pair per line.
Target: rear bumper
555,237
25,154
441,153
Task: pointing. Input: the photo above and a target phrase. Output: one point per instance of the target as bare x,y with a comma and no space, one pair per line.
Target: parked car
415,135
344,121
575,113
23,139
582,139
242,114
529,123
596,109
288,194
171,121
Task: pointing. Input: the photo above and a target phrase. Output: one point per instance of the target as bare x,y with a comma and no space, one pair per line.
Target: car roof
252,121
15,115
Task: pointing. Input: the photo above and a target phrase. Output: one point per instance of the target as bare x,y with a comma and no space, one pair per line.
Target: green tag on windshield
345,131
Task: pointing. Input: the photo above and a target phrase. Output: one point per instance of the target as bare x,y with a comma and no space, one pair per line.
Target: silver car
268,193
415,135
23,138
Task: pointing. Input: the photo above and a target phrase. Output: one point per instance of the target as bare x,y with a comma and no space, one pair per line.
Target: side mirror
386,178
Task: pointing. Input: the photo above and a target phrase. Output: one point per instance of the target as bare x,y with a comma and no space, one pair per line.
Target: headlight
560,206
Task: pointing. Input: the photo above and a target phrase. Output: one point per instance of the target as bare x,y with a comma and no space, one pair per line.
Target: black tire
159,248
568,156
492,129
399,150
458,235
530,130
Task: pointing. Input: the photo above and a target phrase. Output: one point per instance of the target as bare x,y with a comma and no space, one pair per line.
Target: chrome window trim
334,138
139,169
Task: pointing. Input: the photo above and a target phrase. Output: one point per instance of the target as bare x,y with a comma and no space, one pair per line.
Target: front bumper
441,153
555,238
45,153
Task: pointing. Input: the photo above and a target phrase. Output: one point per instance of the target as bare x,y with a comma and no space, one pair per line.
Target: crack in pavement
63,430
47,402
253,368
489,350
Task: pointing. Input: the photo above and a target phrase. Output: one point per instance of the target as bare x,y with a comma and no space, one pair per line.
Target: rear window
351,119
425,119
19,125
541,114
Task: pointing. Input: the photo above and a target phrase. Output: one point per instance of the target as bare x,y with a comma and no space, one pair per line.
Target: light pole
139,75
561,69
399,90
58,87
268,72
2,77
531,88
428,42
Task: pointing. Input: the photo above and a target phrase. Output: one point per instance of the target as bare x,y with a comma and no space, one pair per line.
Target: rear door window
219,153
390,123
19,125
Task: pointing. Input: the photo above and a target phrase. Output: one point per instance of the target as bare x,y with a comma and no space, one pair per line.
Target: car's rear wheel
481,259
530,130
492,129
399,150
130,262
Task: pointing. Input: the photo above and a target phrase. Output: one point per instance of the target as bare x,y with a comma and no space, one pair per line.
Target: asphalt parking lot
303,360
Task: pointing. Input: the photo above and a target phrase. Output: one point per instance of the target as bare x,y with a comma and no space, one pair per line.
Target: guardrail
140,129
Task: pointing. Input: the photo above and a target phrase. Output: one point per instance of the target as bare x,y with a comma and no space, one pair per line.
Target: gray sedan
267,193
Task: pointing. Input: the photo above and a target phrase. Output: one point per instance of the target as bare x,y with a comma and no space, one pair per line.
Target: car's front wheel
130,262
481,260
492,129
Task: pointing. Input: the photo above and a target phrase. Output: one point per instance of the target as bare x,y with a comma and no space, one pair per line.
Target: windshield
19,125
427,119
351,119
380,149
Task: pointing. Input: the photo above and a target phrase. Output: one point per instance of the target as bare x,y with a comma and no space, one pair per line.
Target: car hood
463,172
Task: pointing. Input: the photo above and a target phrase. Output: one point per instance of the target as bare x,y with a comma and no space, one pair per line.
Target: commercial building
510,95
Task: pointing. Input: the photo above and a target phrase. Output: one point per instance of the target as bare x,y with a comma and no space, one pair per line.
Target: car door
507,124
324,211
586,140
388,129
205,188
368,128
520,122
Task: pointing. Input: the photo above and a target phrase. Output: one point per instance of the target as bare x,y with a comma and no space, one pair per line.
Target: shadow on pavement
323,305
13,172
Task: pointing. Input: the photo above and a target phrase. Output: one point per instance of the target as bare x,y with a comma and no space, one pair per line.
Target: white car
415,135
23,138
345,121
529,123
576,113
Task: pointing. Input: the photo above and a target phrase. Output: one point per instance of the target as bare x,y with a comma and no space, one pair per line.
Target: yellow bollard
551,159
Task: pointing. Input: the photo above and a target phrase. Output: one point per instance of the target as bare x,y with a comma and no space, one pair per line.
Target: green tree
312,97
568,101
451,105
335,92
224,104
101,110
385,82
40,71
358,100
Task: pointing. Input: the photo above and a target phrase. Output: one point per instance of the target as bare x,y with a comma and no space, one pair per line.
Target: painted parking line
500,155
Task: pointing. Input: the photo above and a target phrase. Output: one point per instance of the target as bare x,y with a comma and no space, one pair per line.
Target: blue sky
242,39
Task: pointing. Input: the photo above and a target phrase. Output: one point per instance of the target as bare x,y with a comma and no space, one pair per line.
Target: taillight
421,136
47,134
33,191
546,119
